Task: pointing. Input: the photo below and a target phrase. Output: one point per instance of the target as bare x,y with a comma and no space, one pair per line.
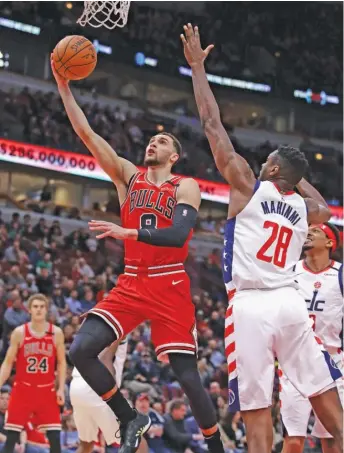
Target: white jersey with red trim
264,241
323,293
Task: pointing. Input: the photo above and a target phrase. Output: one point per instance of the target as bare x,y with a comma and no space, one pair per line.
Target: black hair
176,143
293,163
335,231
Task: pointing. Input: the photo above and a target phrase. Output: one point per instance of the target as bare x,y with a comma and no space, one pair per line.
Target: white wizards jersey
323,293
264,241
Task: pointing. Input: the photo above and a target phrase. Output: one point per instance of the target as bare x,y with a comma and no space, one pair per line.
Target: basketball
75,57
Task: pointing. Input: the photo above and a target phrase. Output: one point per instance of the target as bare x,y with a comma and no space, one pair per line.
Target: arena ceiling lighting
20,26
226,81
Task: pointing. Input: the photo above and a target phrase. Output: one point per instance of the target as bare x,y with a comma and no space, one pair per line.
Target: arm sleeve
175,236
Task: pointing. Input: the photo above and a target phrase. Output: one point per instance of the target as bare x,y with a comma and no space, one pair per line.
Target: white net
106,14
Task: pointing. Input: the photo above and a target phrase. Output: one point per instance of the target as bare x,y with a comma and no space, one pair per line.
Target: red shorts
27,401
164,298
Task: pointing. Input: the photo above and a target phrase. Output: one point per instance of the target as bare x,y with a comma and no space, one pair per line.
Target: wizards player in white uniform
320,282
91,413
264,235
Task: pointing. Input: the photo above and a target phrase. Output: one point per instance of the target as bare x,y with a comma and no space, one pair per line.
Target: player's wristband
184,220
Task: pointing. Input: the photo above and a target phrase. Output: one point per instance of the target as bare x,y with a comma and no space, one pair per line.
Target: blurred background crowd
45,245
307,51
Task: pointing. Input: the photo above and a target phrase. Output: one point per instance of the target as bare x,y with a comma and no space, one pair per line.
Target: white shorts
92,414
262,325
295,409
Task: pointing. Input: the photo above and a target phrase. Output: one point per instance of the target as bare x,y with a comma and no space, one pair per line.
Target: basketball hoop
107,14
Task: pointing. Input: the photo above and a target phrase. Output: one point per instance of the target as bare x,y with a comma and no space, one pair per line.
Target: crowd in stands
40,118
299,48
277,44
75,271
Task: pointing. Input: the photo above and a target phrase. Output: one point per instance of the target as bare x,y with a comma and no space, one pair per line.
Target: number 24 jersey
36,359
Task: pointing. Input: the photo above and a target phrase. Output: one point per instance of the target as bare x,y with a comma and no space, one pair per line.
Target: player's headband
330,234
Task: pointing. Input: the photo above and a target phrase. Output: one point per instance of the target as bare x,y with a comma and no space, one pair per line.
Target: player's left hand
193,51
60,397
110,230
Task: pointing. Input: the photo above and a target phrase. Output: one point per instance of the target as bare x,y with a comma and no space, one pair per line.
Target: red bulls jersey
149,206
36,359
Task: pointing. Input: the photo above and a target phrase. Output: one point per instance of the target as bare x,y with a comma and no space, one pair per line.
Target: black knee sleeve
93,336
12,438
54,441
186,371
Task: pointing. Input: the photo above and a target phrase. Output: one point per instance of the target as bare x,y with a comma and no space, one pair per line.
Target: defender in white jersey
91,413
320,282
266,229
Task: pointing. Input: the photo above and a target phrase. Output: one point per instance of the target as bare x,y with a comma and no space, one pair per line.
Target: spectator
73,303
177,439
205,372
84,269
14,316
69,435
196,445
68,332
14,254
4,397
88,301
30,284
55,234
235,429
208,224
15,278
145,375
45,263
40,229
59,300
216,324
44,281
215,392
154,435
46,194
214,354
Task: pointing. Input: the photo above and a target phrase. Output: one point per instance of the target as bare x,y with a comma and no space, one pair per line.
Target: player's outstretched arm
318,210
11,355
61,364
231,165
184,220
119,170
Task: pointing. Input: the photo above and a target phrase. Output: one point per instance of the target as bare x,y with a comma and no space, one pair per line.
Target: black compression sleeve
175,236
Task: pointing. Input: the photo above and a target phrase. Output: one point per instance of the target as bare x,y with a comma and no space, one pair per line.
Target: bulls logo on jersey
162,203
150,206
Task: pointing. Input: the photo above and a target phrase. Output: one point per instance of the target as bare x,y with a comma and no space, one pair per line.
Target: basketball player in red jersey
158,212
36,349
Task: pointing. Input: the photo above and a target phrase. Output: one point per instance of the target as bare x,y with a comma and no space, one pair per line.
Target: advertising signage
87,167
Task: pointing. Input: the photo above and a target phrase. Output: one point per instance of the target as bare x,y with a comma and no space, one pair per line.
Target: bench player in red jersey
159,211
36,349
